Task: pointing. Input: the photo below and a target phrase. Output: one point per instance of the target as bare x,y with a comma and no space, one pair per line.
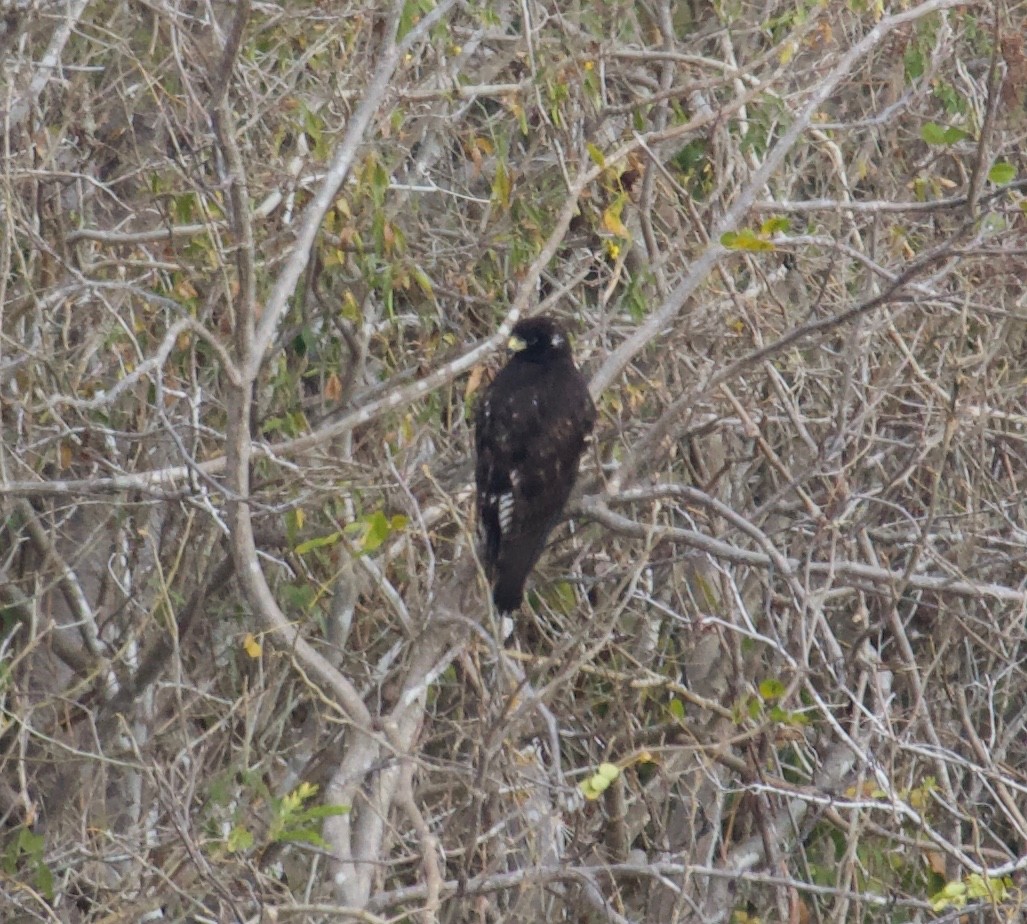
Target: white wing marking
506,509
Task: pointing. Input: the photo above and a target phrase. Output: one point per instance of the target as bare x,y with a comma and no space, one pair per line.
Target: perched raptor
531,427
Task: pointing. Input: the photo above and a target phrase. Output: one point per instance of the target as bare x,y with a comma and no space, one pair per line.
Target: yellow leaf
350,309
612,222
502,186
252,646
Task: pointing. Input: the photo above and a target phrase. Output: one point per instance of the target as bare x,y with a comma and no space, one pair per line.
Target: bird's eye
557,340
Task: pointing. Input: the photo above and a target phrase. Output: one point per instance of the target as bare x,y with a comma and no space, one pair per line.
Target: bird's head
539,339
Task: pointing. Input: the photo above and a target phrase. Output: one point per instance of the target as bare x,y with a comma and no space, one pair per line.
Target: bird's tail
508,592
516,559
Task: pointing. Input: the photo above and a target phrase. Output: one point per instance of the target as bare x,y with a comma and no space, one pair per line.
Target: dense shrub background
256,261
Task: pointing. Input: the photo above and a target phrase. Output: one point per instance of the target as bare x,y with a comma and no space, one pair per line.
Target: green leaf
914,62
596,155
773,226
953,895
313,124
993,890
501,186
933,133
184,207
318,542
305,342
219,792
44,881
691,157
30,843
423,281
239,839
301,836
746,239
377,533
373,530
1002,173
326,811
561,597
608,772
676,708
771,689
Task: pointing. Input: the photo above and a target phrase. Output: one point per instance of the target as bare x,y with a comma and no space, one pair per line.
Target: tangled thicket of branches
257,261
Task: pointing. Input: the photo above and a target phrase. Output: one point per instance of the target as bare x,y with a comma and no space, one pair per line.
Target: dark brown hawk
531,427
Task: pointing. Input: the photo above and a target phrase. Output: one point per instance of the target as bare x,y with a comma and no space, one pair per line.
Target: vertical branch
237,472
49,64
980,164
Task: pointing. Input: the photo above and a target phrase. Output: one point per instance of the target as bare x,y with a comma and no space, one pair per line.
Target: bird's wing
529,442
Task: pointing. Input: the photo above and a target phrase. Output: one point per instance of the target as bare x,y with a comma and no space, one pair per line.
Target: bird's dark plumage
531,426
